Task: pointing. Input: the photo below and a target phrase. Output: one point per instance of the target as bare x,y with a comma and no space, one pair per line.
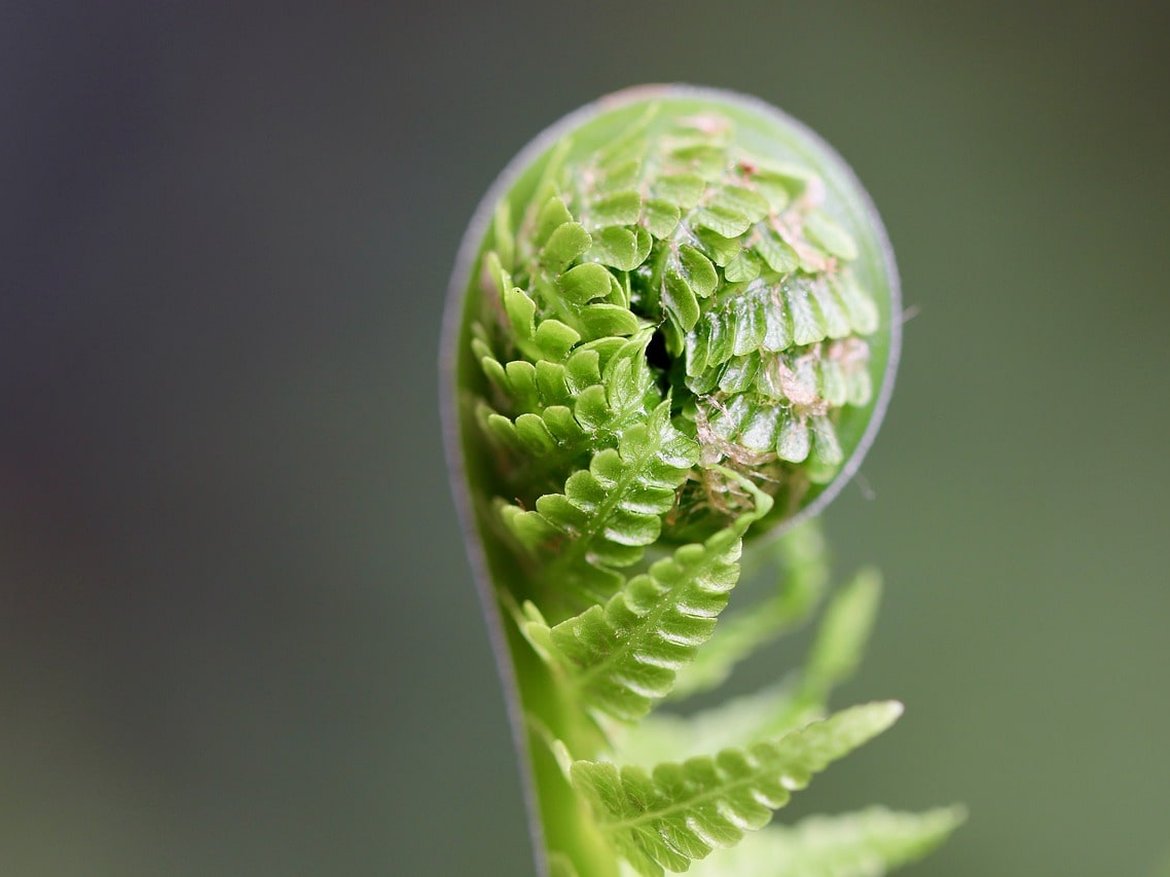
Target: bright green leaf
681,812
552,216
869,843
622,657
564,245
584,283
680,301
661,217
620,208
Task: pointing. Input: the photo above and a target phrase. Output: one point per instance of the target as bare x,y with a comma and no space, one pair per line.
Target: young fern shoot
671,334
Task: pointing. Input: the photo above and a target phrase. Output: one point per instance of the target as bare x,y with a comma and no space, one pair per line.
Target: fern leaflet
621,657
609,512
775,710
868,843
804,573
681,812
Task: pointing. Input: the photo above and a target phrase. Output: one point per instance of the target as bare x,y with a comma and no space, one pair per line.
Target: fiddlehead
673,329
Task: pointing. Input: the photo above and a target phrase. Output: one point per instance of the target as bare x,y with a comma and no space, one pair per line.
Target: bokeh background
237,631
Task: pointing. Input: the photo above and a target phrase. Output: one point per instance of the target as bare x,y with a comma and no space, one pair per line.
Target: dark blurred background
237,631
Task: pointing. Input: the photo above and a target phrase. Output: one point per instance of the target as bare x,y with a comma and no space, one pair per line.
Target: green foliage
609,512
561,412
622,657
872,841
802,698
681,812
803,574
671,339
842,637
733,258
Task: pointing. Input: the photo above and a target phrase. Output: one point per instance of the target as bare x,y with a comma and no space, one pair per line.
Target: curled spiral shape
713,258
672,328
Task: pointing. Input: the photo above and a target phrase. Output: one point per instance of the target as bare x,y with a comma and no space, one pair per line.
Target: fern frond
804,572
570,410
584,296
841,638
681,812
609,512
736,722
622,657
804,697
868,843
674,324
523,386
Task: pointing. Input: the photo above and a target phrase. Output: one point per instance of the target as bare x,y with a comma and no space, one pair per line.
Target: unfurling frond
609,512
673,329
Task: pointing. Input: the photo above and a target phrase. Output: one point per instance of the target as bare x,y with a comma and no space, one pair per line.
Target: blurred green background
237,631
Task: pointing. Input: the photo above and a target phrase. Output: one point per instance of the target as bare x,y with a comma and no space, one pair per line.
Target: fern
671,333
608,513
804,568
802,698
862,844
622,657
681,812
